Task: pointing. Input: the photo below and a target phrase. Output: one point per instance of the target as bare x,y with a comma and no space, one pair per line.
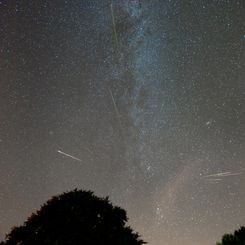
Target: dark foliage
238,238
73,218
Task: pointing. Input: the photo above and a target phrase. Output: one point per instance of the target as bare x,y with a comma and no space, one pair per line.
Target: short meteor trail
214,180
67,155
117,112
115,105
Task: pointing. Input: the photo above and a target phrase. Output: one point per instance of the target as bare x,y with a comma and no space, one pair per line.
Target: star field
141,101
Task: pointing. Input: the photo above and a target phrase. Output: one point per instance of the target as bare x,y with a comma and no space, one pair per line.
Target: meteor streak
117,112
214,180
223,174
115,105
114,25
67,155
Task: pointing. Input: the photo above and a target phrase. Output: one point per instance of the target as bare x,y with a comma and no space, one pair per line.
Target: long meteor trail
223,174
114,25
68,155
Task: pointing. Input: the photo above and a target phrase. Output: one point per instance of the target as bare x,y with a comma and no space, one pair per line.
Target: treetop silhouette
73,218
238,238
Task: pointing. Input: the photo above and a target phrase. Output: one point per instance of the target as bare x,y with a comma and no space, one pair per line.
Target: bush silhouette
238,238
73,218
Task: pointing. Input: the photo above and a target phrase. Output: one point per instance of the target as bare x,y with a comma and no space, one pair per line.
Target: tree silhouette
73,218
238,238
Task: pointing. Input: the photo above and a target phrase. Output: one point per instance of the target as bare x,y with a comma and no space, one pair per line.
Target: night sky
141,101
